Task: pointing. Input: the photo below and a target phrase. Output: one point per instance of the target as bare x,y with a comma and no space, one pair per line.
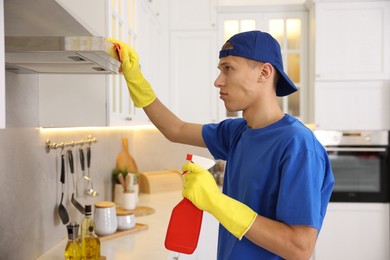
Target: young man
278,179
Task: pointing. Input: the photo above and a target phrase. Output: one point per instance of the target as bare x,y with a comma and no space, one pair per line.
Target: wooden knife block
160,181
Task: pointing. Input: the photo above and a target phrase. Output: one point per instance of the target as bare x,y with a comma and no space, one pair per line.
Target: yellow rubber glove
140,90
201,189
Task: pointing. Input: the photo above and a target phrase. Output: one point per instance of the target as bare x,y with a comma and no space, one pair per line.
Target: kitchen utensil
88,181
78,206
61,208
124,160
122,181
90,191
118,193
128,180
186,219
82,162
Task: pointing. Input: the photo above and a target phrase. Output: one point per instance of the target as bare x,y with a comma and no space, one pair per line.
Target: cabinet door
149,44
352,105
134,22
121,26
193,71
358,231
352,41
192,14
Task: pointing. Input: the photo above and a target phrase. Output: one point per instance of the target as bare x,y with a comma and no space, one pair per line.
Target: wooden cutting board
139,211
138,227
124,160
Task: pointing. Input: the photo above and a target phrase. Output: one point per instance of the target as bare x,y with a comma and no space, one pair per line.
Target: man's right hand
140,90
202,190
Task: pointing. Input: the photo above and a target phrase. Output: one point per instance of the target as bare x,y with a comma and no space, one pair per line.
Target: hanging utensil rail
49,145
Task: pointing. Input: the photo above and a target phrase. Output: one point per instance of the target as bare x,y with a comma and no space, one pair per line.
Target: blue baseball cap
261,46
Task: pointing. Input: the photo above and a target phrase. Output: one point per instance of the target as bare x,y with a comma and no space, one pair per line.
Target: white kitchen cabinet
121,25
149,45
352,40
358,231
104,100
192,14
352,105
193,71
350,63
193,60
136,22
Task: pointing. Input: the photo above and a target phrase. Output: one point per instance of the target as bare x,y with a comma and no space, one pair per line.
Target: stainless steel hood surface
60,55
41,36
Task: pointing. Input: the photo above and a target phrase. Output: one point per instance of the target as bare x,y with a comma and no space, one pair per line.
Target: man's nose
219,82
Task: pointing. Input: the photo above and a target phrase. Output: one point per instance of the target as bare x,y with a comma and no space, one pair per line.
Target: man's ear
266,71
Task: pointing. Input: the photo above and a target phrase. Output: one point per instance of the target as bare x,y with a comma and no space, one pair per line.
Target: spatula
78,206
61,208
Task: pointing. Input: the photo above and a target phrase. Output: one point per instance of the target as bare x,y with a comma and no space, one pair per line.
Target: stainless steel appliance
64,55
43,36
360,163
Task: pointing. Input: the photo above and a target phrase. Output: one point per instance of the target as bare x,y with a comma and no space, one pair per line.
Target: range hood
41,36
60,55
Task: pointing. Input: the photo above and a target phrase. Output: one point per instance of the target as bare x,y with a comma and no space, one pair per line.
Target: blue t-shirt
281,171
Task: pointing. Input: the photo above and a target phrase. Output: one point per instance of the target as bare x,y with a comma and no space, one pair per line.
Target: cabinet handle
129,118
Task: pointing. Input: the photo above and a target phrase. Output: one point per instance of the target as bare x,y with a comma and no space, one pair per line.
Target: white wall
2,74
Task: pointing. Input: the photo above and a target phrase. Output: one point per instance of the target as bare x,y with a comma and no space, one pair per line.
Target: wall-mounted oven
360,163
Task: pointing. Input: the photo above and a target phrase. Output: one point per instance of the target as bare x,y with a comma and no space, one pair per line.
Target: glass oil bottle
73,248
87,222
90,246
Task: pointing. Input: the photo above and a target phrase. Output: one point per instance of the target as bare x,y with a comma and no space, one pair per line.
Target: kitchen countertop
145,244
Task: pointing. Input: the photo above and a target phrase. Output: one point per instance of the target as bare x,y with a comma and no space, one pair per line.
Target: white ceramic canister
133,184
126,219
105,218
129,200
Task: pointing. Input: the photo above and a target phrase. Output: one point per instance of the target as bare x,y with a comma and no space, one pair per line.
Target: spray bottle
186,219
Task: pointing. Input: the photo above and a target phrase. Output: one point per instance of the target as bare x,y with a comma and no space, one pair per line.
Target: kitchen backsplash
30,188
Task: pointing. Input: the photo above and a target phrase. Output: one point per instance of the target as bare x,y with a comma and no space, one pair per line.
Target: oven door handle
353,149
